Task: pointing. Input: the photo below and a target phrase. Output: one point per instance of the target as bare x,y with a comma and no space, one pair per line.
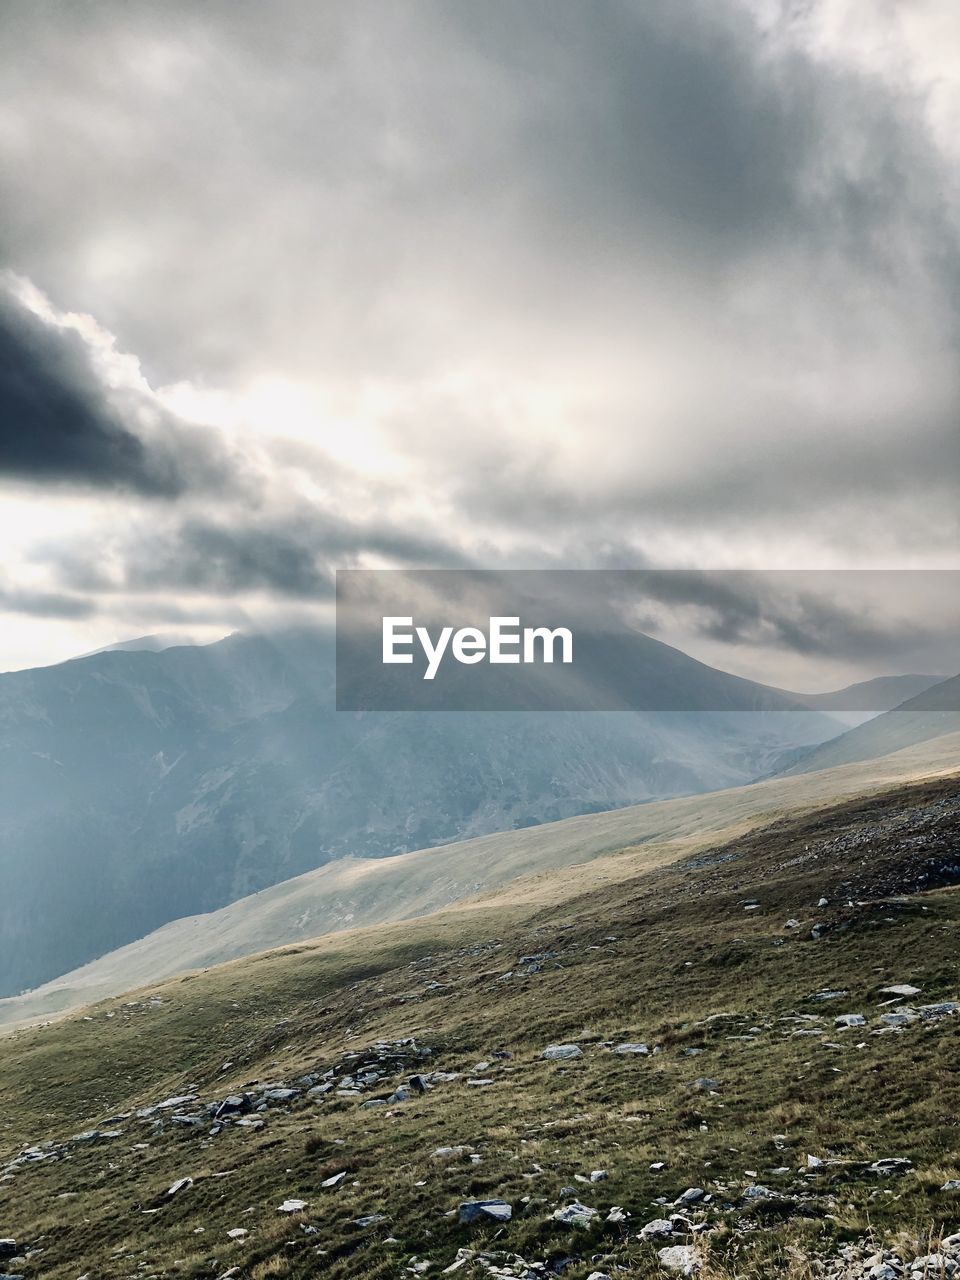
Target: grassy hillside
929,715
352,892
751,1092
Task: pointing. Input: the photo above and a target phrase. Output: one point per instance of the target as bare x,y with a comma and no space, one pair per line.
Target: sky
290,288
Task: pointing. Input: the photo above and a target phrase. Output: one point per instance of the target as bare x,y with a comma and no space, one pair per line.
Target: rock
556,1052
824,902
899,1018
371,1220
692,1195
575,1215
681,1258
292,1206
658,1227
8,1248
850,1020
235,1105
903,989
598,1275
757,1191
934,1264
180,1101
891,1164
703,1084
334,1180
237,1233
181,1184
451,1153
792,924
952,1184
598,1175
484,1211
631,1047
617,1214
814,1162
280,1095
402,1094
464,1256
882,1271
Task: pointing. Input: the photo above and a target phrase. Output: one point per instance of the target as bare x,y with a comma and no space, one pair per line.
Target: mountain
861,701
137,787
932,713
735,1061
350,892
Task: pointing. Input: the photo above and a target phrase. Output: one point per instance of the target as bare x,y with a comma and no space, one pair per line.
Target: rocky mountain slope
352,892
137,787
739,1063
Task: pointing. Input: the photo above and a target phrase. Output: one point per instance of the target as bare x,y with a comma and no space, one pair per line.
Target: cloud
57,421
47,604
668,283
75,412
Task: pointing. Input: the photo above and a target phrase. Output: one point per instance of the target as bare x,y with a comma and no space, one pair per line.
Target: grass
655,957
592,850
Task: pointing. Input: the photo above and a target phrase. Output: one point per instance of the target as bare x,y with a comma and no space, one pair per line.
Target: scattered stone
889,1165
904,989
575,1215
692,1195
850,1020
181,1184
484,1210
237,1233
558,1052
659,1227
681,1258
234,1105
292,1206
631,1047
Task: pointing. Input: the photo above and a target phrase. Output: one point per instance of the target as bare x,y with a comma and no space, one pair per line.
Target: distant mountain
140,786
155,642
932,713
859,702
354,893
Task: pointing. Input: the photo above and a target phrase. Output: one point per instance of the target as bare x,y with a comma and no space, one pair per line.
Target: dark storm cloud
833,613
61,422
56,420
290,554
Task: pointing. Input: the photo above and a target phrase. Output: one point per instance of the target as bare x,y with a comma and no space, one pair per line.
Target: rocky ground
742,1065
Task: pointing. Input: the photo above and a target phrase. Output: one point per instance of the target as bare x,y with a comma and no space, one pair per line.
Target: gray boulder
485,1211
557,1052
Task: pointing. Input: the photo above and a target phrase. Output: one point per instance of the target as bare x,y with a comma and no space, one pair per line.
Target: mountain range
145,784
